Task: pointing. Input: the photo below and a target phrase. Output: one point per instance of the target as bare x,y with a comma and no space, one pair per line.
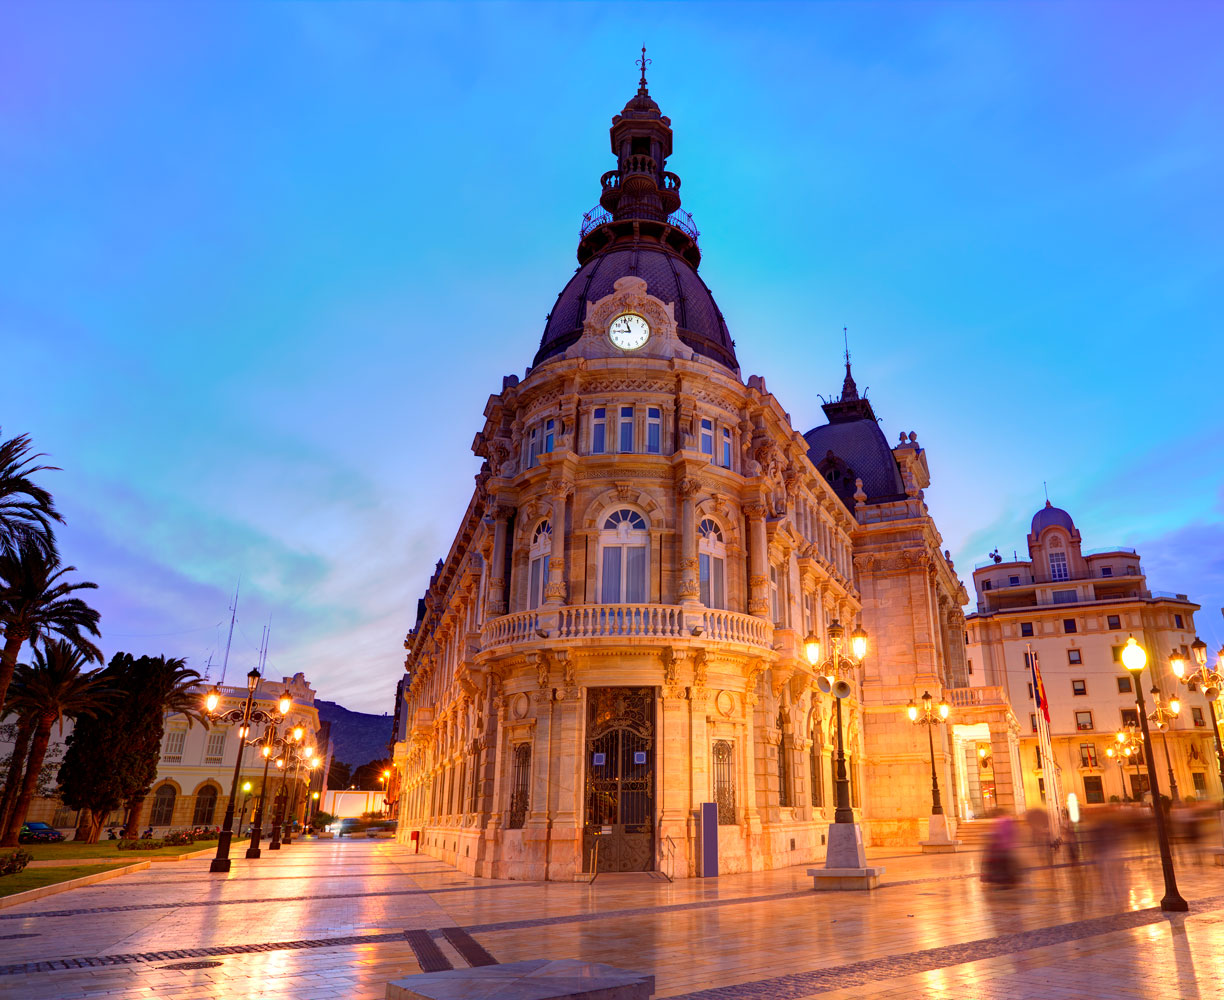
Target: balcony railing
651,621
679,219
972,697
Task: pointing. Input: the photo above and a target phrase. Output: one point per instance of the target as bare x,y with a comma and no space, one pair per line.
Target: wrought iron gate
620,773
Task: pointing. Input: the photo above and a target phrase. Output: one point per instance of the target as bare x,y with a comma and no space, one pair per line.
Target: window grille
162,813
205,806
815,760
519,786
724,781
784,784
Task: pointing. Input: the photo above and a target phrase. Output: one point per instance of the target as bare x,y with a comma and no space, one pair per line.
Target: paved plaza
327,919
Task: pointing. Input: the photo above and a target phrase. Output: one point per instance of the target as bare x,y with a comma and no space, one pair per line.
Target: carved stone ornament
689,487
699,668
629,294
725,703
754,511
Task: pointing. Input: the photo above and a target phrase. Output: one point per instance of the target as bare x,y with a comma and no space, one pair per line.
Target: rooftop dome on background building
1049,517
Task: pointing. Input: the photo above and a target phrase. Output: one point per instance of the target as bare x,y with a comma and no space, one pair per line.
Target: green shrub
140,845
179,838
12,863
322,819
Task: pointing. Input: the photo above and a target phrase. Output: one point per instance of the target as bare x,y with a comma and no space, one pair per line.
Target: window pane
652,437
635,574
626,429
707,437
717,578
598,442
533,586
703,574
726,436
611,593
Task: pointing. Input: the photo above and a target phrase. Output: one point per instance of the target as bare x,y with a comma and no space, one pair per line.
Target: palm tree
26,509
159,686
51,688
21,750
36,600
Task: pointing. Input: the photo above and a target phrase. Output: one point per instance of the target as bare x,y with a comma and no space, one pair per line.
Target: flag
1038,688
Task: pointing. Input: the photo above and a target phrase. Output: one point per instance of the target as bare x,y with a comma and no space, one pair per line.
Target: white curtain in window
635,574
611,575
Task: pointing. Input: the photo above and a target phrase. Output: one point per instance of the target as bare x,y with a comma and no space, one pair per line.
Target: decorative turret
640,198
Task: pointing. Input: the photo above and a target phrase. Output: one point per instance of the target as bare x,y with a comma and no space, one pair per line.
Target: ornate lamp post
1134,658
1129,750
1163,717
244,716
278,805
268,743
845,861
1211,681
930,716
305,758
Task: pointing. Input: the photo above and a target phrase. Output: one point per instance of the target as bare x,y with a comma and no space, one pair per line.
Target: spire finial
849,389
643,63
1045,486
846,341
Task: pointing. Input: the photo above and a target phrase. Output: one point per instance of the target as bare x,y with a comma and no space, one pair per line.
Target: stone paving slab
326,920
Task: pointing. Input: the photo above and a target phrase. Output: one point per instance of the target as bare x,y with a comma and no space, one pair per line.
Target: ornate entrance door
620,773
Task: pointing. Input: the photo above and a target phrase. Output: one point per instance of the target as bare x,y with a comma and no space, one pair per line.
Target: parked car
39,833
350,824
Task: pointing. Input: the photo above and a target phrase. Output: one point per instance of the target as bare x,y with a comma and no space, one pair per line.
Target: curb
73,883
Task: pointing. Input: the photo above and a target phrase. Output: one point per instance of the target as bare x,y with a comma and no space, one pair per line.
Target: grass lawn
109,850
36,878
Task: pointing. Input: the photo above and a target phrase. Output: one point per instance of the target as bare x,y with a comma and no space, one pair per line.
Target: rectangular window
1177,621
784,783
1196,716
1083,721
985,584
1069,626
626,429
599,430
774,609
1106,571
533,448
1130,717
710,570
215,749
1041,788
1058,566
549,434
654,430
1114,622
174,747
726,449
1075,656
474,801
1117,653
539,577
707,437
635,574
1088,757
1065,597
519,786
1079,688
1030,690
1033,720
611,591
1124,685
1094,790
1013,581
815,757
1139,786
1026,628
1200,782
1132,571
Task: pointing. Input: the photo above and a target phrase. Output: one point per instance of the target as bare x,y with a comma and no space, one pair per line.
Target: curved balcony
578,622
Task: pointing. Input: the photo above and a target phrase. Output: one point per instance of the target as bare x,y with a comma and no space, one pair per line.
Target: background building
616,634
1075,610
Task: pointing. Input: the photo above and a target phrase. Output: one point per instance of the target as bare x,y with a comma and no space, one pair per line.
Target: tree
367,776
20,733
26,509
112,758
338,774
36,600
51,688
154,687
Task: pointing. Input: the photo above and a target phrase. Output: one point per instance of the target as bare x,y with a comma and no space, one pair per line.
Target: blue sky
263,263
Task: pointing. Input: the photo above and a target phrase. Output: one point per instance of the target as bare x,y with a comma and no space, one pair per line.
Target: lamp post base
219,865
845,846
939,836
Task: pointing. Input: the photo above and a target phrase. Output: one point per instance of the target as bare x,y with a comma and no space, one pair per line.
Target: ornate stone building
617,632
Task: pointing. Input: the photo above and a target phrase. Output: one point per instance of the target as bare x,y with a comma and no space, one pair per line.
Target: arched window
712,564
784,782
623,542
163,806
815,765
205,806
541,547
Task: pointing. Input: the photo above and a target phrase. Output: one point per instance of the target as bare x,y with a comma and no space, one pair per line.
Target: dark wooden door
620,780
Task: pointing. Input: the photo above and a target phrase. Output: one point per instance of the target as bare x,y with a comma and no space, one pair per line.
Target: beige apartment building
616,634
1075,610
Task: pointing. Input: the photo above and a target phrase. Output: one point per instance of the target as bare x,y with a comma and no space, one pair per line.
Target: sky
262,264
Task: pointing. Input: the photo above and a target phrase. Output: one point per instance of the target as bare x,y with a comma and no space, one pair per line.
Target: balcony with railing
986,696
626,621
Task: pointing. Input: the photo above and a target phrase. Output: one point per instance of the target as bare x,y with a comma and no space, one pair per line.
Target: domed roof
668,277
1049,517
860,451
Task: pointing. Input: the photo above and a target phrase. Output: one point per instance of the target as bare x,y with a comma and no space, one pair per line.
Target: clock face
629,331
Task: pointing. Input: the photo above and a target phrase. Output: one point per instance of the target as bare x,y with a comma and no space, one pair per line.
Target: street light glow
1134,656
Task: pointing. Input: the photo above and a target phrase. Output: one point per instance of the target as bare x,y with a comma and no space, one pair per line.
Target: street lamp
1129,750
1134,658
244,716
930,716
832,667
1211,681
283,762
1163,717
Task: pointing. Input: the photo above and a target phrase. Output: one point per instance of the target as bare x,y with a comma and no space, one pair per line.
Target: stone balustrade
970,697
648,621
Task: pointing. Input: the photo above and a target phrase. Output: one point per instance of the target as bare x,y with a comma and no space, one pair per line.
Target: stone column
690,590
673,756
758,561
554,589
495,599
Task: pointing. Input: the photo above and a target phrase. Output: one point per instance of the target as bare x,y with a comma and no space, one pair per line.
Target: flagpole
1049,766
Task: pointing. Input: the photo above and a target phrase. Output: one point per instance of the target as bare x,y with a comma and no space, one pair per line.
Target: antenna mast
233,618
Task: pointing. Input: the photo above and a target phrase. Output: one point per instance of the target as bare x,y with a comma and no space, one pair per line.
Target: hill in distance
356,737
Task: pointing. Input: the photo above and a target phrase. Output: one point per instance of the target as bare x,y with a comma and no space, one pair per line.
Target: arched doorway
620,780
205,806
162,813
